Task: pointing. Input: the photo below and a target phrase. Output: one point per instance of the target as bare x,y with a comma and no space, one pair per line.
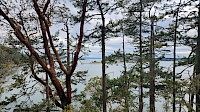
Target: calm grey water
94,69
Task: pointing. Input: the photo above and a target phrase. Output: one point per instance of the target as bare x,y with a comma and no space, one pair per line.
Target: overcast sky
114,43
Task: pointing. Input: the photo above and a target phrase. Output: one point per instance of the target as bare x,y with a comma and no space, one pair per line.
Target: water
94,69
115,71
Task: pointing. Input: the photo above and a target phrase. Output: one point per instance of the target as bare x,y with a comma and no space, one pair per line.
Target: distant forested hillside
10,55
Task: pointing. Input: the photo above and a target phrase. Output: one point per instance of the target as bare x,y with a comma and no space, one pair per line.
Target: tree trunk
192,101
152,68
174,71
198,64
126,79
180,107
68,46
174,60
103,56
191,94
68,79
69,94
141,69
47,93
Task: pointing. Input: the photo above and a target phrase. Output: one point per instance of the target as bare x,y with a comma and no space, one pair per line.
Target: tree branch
44,84
22,38
63,68
51,71
44,36
46,6
78,48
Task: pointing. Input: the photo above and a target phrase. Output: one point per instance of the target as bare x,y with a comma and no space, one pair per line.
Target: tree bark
141,67
152,68
192,94
197,66
103,33
47,94
174,60
68,79
126,78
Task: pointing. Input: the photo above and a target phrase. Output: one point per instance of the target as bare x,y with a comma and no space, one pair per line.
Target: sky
115,43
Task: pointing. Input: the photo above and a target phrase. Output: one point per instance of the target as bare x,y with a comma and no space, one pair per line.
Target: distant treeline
120,59
10,55
170,59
